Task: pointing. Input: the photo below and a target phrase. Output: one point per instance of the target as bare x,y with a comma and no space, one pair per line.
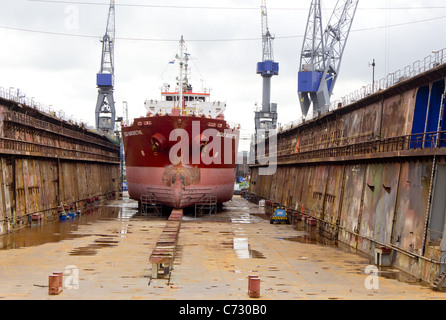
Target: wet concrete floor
105,255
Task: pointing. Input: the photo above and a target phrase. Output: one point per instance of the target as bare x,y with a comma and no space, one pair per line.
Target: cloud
60,70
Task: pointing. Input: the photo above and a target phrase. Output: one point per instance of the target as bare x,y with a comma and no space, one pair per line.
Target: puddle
91,249
312,239
400,276
233,212
66,230
243,250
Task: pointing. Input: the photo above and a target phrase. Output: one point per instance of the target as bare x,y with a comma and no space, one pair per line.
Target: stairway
439,281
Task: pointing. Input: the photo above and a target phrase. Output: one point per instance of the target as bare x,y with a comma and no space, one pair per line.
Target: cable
221,8
156,6
49,32
209,40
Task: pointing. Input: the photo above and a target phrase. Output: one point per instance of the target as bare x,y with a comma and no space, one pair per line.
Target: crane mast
105,106
267,37
322,53
266,118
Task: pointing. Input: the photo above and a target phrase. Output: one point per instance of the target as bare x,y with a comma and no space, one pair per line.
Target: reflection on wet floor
38,234
243,250
236,212
309,235
92,249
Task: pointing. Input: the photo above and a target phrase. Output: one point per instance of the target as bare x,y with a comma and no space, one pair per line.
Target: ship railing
127,123
427,141
231,125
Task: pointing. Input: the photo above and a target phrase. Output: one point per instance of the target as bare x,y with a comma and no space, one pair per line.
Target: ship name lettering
226,135
133,133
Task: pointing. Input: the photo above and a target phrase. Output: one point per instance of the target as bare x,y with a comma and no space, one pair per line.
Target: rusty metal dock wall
47,162
372,173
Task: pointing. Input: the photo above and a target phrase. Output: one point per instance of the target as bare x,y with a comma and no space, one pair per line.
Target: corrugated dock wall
373,174
46,162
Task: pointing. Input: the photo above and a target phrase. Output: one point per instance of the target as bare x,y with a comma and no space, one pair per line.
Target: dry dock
47,162
371,172
105,255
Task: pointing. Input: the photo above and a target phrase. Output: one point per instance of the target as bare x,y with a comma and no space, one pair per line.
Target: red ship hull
180,159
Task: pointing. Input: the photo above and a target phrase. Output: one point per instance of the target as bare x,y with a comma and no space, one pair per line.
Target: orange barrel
60,275
249,282
254,287
53,285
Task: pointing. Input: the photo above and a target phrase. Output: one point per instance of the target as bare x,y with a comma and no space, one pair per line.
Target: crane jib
321,54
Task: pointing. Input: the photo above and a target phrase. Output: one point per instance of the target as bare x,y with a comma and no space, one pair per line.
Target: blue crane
105,107
266,118
322,55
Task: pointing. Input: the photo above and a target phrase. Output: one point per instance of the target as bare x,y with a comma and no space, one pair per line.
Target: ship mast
181,74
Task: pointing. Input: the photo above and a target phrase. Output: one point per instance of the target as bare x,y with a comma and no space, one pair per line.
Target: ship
183,150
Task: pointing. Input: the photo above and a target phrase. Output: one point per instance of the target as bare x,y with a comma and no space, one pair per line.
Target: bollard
53,285
249,282
60,275
254,287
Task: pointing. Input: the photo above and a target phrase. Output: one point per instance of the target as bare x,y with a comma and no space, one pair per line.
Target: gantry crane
266,118
105,107
322,54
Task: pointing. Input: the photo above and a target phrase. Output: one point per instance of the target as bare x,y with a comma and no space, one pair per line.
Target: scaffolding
149,204
206,204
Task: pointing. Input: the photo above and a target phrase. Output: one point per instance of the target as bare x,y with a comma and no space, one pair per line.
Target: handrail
44,125
53,151
416,141
393,78
19,97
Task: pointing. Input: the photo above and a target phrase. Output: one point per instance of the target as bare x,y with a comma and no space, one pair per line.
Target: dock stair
439,282
163,255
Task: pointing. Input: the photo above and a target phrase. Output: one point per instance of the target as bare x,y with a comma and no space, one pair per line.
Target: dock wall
372,173
46,162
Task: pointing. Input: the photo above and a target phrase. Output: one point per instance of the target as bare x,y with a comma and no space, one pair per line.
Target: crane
105,106
266,118
322,53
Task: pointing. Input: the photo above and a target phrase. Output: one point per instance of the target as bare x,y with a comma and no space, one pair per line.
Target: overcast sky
50,50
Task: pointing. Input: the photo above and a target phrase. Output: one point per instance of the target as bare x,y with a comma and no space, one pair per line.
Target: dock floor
215,255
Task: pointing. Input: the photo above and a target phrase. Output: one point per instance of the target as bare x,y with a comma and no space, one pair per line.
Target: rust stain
185,176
